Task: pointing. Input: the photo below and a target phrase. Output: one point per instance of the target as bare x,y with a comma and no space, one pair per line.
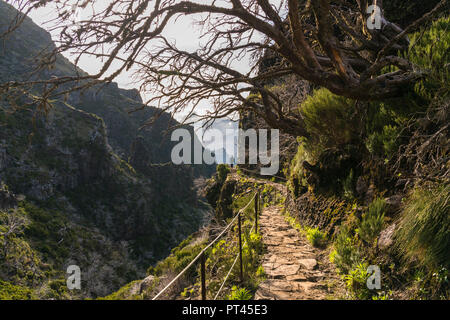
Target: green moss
124,293
9,291
180,257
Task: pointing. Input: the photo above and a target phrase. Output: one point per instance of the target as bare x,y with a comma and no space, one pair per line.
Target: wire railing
202,255
231,269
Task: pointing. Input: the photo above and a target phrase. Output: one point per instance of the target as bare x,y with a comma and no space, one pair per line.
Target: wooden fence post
241,274
256,211
203,275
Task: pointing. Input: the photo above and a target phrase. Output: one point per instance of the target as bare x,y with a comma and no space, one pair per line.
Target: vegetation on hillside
392,163
81,194
222,264
368,183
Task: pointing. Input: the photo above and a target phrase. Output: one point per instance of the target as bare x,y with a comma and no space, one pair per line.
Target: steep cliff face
66,178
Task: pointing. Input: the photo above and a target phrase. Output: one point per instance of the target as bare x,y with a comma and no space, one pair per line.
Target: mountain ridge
65,175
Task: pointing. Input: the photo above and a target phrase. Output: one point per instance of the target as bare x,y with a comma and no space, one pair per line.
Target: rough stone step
288,241
290,262
264,294
307,286
309,264
280,285
297,277
281,271
278,259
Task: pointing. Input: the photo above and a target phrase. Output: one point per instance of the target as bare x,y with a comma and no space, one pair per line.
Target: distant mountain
222,156
90,188
226,150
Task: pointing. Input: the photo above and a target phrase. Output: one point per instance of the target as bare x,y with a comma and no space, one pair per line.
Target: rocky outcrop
332,168
319,211
212,191
386,238
224,210
7,199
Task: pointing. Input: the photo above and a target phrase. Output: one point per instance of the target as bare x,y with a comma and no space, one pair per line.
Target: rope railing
202,252
231,269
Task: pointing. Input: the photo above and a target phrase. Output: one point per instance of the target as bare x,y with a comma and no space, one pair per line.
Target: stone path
295,270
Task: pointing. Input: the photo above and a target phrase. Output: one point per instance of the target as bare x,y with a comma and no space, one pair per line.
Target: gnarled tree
342,45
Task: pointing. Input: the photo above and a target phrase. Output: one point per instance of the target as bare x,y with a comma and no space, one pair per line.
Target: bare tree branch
325,42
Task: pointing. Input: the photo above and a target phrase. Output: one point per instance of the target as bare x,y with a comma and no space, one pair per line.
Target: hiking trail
295,270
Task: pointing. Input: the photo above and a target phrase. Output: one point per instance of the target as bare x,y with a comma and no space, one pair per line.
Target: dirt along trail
295,270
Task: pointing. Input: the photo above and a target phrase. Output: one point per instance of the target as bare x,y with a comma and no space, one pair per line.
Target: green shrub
372,221
123,293
9,291
356,282
254,243
329,120
424,229
44,229
429,50
240,201
297,183
316,237
260,273
385,142
58,285
17,257
345,252
348,185
179,258
222,172
251,254
382,296
221,259
239,294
